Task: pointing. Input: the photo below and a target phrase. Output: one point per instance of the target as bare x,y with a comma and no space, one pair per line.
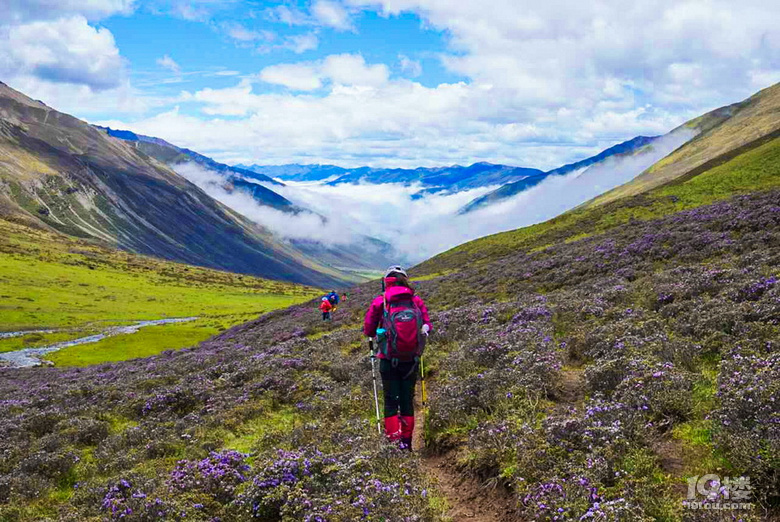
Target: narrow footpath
467,498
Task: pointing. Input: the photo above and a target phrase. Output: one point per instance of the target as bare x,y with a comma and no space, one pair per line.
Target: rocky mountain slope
363,254
232,178
62,174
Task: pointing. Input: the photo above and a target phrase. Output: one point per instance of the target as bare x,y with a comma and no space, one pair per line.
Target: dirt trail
467,498
571,391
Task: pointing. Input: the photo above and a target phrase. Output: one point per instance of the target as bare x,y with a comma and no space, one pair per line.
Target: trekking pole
373,374
422,382
422,377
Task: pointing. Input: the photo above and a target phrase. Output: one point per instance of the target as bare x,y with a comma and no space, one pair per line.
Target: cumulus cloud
351,69
341,69
698,52
67,50
299,77
53,51
395,123
542,84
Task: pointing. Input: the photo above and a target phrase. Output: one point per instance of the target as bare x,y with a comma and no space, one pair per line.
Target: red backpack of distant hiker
402,321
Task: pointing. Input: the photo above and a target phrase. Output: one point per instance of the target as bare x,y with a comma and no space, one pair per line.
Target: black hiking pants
398,385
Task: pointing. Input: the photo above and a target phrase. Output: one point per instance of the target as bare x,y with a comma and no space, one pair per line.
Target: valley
73,288
584,367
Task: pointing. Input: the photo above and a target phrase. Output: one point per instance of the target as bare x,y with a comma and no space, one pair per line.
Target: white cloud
123,100
51,50
410,67
543,84
351,69
193,10
299,77
331,14
699,53
302,42
286,15
340,69
66,50
166,62
242,34
398,123
322,13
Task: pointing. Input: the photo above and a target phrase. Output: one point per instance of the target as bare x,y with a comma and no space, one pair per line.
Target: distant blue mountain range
455,178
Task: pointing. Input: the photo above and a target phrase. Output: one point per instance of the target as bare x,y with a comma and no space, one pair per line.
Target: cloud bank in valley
422,227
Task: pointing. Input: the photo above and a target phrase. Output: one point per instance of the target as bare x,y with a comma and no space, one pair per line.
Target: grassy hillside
52,282
592,377
720,132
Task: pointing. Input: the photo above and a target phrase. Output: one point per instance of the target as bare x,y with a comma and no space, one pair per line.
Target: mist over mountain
510,189
256,197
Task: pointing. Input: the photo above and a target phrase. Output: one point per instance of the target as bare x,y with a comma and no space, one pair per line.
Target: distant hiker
344,297
399,320
326,308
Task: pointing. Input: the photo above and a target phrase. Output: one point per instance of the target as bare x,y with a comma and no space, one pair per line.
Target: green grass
755,170
49,281
248,435
42,294
147,341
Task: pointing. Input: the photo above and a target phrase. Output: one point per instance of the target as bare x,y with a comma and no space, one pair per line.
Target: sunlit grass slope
48,281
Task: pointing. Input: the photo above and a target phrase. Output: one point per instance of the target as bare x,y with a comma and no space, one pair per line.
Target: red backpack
403,322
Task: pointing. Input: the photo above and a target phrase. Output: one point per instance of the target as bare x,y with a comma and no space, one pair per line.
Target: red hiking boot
393,428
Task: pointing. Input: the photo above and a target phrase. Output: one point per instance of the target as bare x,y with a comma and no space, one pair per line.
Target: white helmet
397,269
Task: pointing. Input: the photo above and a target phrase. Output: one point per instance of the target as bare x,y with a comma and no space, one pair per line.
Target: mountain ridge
511,189
62,174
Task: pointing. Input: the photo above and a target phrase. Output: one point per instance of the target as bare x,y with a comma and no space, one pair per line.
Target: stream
9,335
28,357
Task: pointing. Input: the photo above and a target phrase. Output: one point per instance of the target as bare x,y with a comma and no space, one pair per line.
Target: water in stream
33,356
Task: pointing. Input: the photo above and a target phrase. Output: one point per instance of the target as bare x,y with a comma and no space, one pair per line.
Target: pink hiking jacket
374,313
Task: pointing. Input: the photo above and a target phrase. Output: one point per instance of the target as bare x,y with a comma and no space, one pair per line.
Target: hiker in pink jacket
405,324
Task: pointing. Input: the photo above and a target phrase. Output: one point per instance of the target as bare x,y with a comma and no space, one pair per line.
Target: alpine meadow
389,260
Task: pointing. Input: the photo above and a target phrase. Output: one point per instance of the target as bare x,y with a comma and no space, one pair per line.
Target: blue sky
390,82
209,57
